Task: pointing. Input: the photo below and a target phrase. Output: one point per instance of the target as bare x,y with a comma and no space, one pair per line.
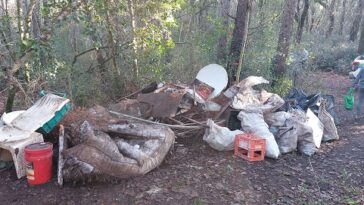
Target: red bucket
38,157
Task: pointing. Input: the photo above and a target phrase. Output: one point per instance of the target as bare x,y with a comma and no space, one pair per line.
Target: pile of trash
166,110
300,122
133,136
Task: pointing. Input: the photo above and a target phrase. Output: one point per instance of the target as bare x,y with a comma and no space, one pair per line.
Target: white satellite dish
215,76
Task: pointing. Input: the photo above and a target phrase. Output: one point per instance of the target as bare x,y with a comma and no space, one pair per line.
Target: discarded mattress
106,146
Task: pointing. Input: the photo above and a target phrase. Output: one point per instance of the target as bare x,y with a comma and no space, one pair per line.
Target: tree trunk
356,23
302,21
222,44
331,18
298,11
342,19
284,38
244,40
134,41
13,90
313,20
237,40
110,37
361,41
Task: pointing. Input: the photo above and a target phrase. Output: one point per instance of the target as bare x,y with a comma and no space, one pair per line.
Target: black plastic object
297,99
233,123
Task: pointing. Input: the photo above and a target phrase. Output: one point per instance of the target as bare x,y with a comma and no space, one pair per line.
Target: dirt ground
193,173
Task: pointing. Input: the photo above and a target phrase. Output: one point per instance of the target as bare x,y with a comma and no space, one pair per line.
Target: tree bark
301,23
238,36
331,18
298,11
284,38
313,20
361,41
342,19
356,23
222,44
244,40
134,41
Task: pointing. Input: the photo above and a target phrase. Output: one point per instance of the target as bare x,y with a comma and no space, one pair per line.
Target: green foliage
335,53
175,38
282,86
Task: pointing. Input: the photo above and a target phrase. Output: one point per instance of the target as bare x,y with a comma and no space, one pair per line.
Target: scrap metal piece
162,104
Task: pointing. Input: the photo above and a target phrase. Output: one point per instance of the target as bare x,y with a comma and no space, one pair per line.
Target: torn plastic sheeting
252,121
220,138
163,104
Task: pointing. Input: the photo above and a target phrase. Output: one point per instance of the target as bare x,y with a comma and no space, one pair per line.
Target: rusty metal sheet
162,104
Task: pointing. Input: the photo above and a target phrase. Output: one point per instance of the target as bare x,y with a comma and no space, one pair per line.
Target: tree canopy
98,50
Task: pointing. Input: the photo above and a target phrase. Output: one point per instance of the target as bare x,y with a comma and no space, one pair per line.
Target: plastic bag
330,131
287,139
220,138
305,142
317,127
272,104
252,121
277,119
349,99
246,96
329,106
251,81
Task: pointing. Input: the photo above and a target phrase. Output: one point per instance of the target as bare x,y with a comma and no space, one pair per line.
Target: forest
181,101
97,51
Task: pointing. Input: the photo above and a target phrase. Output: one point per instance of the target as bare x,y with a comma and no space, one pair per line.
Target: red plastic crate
249,147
